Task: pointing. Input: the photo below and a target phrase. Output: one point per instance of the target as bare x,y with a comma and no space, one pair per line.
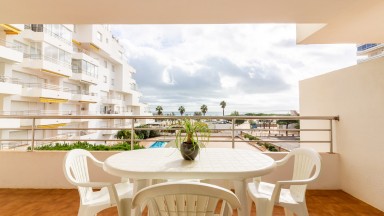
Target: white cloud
252,67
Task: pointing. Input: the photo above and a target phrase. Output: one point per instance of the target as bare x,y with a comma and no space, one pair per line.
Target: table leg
241,193
139,184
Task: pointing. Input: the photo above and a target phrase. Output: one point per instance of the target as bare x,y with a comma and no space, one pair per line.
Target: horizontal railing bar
174,117
122,140
165,129
169,129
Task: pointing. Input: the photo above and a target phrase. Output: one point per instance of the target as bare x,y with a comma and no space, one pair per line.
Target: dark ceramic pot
189,151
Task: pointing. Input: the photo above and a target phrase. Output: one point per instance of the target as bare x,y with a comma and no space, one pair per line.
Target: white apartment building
65,70
366,52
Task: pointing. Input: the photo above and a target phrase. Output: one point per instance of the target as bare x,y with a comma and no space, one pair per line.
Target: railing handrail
47,31
11,45
40,56
81,71
179,117
165,126
46,86
10,80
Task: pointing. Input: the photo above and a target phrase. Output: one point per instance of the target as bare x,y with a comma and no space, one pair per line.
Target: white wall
44,170
356,94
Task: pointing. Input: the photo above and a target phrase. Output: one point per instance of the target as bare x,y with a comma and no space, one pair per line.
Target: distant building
65,70
366,52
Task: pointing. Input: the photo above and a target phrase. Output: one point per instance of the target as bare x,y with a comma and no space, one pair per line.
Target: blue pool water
158,144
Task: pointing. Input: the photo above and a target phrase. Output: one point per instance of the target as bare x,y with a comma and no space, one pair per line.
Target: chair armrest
97,162
295,182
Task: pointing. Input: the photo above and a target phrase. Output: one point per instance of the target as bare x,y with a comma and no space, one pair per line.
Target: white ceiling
342,20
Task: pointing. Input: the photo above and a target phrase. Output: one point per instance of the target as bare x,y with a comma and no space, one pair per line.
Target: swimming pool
158,144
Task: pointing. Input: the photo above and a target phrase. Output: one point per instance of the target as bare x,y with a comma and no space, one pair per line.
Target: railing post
132,133
33,134
331,137
233,133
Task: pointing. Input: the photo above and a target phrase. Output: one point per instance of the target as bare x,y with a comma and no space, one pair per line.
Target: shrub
154,133
124,146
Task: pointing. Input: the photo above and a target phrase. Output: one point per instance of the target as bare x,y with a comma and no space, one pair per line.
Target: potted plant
192,136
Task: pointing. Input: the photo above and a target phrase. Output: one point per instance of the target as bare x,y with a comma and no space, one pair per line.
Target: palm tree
223,104
181,110
159,110
204,109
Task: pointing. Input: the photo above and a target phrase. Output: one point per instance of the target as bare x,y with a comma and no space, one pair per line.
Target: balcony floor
41,202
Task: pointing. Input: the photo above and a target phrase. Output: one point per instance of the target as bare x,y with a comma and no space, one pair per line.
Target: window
113,82
113,68
82,66
121,54
106,40
105,79
105,64
99,37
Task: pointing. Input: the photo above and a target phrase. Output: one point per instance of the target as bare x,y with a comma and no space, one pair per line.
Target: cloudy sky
254,68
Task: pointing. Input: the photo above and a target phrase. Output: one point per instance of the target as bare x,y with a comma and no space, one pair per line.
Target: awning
51,126
9,29
53,72
52,100
83,101
94,46
76,42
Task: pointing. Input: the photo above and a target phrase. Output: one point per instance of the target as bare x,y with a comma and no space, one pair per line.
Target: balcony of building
84,76
100,40
49,161
10,86
47,93
329,132
47,64
10,52
112,100
50,33
84,96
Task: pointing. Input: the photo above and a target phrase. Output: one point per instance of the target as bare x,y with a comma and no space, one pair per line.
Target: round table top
211,163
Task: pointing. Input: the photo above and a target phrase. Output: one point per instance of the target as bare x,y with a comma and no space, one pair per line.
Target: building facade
366,52
65,69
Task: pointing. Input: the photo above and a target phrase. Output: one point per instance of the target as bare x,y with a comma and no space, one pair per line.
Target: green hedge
124,146
250,137
270,147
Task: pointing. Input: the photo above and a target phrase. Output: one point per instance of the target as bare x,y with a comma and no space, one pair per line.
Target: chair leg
83,211
303,211
288,212
264,207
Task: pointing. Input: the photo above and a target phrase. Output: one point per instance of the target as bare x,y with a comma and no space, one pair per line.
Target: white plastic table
212,163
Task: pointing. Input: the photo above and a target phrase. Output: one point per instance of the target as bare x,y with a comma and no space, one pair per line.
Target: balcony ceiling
336,20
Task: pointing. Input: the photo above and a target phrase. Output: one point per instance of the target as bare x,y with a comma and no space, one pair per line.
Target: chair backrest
305,161
184,198
76,170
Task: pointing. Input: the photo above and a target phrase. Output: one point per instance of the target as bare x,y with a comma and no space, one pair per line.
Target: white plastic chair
266,195
92,202
185,198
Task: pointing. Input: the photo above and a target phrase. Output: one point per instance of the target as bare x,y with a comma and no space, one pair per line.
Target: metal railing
83,92
6,79
41,28
79,70
80,50
46,86
34,113
48,58
11,45
231,133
